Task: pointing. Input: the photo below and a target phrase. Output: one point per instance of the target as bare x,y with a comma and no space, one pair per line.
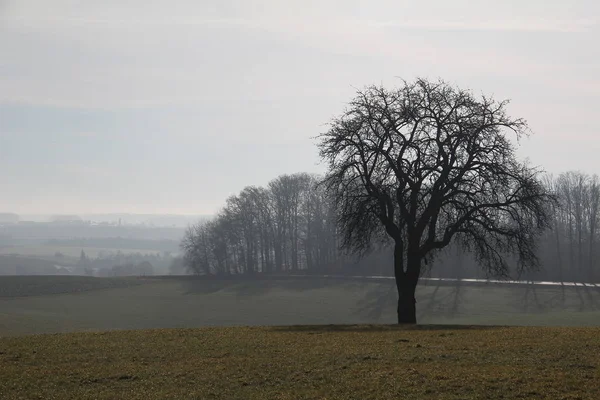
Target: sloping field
25,286
303,362
189,302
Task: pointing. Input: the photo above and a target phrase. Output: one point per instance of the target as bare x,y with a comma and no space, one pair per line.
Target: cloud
510,25
114,61
319,23
148,96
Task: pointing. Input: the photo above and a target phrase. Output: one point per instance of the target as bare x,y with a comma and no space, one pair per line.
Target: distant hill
42,232
9,218
157,220
21,265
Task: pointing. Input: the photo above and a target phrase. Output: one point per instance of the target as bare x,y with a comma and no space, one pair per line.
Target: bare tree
553,186
593,216
428,164
288,192
288,226
196,248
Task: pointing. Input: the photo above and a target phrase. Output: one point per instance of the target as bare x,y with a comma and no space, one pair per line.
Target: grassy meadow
305,362
32,305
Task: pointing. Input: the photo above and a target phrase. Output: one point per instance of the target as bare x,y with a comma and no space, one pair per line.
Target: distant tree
83,259
593,218
197,249
176,267
144,268
554,239
426,165
289,192
575,226
287,226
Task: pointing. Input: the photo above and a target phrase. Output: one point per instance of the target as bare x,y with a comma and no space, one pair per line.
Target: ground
13,287
35,304
304,357
304,362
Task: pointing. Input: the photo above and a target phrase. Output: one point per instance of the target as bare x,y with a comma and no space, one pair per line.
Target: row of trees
290,226
570,248
287,226
122,264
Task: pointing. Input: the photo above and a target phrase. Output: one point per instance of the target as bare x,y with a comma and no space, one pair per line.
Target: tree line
290,226
287,226
570,249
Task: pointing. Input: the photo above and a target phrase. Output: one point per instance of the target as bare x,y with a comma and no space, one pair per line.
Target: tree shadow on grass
593,295
430,304
530,301
537,299
457,298
314,329
376,301
446,301
556,299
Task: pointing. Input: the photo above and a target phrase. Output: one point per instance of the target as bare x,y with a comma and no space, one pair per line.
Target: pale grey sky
171,106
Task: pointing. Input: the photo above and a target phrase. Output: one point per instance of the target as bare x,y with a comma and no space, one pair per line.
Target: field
70,253
117,352
25,286
66,304
303,362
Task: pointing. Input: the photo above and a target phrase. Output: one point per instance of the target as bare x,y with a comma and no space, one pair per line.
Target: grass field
303,362
36,305
25,286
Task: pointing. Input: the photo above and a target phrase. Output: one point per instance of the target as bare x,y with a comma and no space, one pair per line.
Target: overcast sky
171,106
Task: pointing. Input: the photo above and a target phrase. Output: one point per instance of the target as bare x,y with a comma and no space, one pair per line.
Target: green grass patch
305,362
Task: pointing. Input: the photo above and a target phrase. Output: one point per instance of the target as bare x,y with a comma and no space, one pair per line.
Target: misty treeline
287,226
290,226
124,264
570,249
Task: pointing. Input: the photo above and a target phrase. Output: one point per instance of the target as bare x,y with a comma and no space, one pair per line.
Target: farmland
118,340
305,362
96,304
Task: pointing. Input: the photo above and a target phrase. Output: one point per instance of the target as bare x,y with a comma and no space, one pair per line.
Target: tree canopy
427,164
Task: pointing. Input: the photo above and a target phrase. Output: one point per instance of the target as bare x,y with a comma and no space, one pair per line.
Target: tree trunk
558,253
406,283
407,307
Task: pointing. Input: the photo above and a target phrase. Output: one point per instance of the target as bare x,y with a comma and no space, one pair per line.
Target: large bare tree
427,164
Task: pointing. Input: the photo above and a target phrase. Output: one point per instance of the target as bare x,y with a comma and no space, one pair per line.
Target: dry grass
322,362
